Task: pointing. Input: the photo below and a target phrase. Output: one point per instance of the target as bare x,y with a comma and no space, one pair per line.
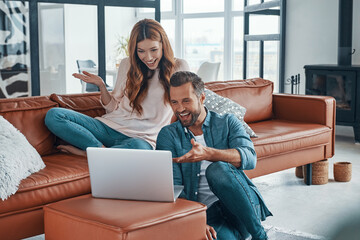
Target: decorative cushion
254,94
18,159
222,105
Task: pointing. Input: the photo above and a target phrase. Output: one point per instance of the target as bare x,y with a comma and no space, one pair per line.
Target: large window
45,41
264,39
243,35
68,38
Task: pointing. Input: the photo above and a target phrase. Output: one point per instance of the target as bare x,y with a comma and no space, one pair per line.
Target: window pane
252,65
204,41
264,24
169,27
147,10
201,6
238,48
271,62
67,33
14,50
252,2
274,8
119,22
166,5
238,5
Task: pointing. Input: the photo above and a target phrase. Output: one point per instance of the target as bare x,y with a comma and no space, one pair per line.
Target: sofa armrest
310,109
305,108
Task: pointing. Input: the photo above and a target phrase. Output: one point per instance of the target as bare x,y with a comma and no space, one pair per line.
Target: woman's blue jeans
83,131
237,213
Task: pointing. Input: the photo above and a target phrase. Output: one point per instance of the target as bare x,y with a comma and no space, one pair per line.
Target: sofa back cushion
27,115
253,94
86,103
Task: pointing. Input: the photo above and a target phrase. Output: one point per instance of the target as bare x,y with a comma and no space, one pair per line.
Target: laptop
132,174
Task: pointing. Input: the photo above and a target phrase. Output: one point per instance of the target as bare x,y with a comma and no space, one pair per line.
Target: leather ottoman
89,218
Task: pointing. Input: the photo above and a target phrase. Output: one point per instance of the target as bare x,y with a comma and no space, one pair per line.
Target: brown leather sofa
293,130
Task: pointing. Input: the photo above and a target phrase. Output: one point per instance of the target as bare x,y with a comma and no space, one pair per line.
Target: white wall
311,35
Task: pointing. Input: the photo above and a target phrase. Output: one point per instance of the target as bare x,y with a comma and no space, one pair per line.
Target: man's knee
216,173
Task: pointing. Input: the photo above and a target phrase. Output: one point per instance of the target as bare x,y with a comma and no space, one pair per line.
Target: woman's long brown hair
139,74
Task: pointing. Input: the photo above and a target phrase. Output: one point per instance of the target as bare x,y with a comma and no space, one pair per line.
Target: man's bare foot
72,150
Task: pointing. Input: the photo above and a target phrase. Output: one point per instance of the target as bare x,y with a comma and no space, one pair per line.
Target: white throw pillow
18,159
222,105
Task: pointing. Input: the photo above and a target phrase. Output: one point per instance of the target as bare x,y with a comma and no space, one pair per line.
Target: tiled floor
316,209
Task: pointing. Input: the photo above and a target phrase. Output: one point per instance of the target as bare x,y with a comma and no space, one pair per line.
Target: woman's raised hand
89,78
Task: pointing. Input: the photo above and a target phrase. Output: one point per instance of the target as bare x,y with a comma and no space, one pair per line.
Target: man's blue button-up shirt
220,132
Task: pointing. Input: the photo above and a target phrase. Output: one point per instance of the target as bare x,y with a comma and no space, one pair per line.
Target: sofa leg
308,174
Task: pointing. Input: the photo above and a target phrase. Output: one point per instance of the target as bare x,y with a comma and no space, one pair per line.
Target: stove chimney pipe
345,32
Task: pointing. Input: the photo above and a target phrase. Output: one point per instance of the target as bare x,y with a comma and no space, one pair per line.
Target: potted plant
121,49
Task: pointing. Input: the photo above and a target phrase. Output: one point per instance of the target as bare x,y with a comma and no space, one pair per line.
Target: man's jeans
237,213
83,131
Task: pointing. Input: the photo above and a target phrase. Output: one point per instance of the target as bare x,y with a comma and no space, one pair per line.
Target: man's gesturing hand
196,154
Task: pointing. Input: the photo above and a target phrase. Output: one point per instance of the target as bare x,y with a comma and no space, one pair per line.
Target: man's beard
194,117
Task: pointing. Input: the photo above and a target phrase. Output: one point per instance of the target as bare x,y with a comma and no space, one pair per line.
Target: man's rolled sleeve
240,140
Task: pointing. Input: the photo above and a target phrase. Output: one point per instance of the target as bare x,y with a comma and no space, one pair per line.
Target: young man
210,153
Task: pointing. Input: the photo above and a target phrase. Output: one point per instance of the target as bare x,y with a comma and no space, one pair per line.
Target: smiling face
150,52
187,107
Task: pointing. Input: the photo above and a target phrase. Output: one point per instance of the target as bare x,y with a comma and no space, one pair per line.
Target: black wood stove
342,80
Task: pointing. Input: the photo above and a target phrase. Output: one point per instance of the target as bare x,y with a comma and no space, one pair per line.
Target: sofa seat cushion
64,176
281,136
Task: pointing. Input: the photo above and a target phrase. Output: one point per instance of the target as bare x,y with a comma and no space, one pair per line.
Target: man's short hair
182,77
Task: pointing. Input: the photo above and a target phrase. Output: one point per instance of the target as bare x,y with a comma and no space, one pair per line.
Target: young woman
136,109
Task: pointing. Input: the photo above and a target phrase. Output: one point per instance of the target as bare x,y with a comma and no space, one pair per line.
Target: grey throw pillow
222,105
